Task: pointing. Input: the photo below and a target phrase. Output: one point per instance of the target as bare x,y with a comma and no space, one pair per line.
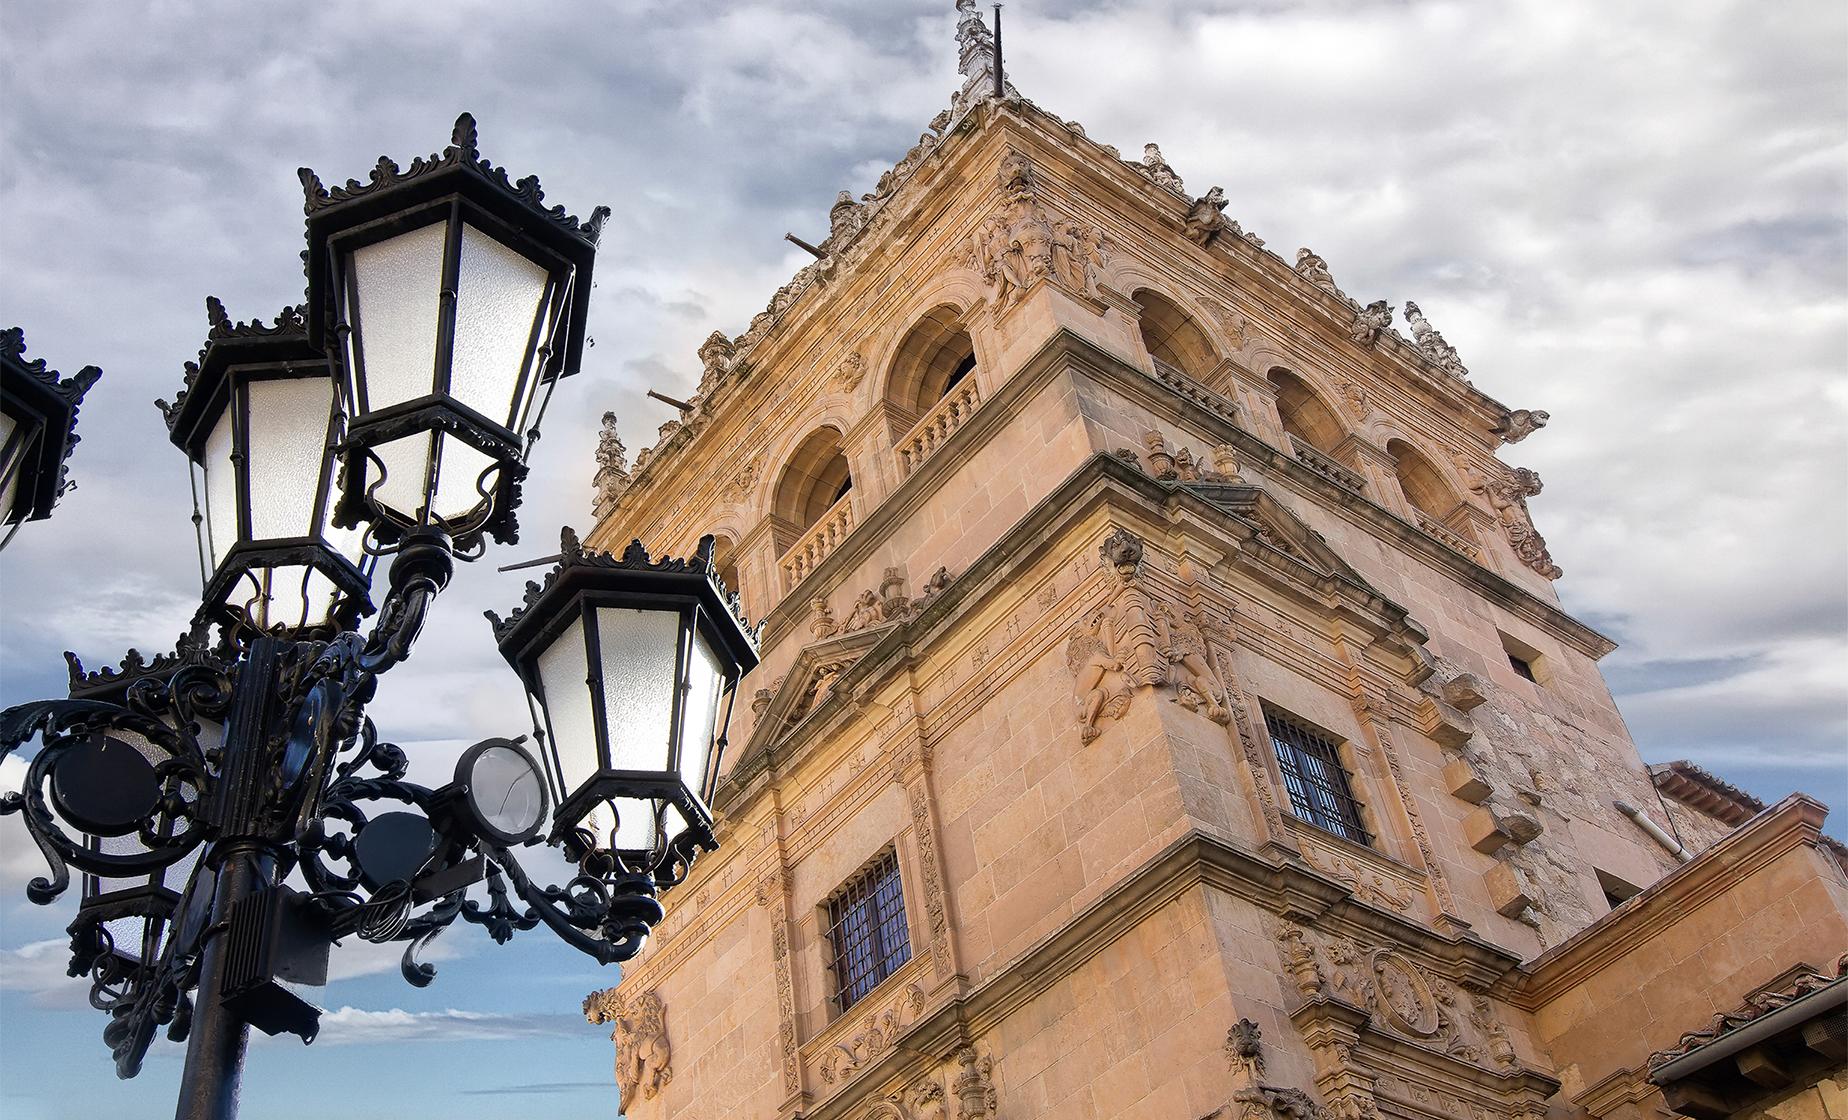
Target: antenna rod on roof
801,244
1000,86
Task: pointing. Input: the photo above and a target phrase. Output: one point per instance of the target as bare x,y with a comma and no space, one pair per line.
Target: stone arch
1305,415
813,478
1423,485
725,558
1174,337
934,355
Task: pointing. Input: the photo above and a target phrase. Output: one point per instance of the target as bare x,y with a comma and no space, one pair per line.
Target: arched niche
816,477
725,560
1421,483
1305,417
1172,337
936,355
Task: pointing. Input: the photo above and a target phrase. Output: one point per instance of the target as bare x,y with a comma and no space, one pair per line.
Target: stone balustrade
1445,535
1325,466
937,426
1216,403
821,539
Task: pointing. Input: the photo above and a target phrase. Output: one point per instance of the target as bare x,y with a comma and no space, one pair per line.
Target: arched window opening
936,356
1173,338
725,561
1423,487
1304,415
816,478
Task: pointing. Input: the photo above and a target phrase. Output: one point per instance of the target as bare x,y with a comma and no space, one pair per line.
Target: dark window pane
1318,785
867,930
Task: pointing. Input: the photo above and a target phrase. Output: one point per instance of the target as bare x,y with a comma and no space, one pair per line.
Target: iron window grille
866,927
1320,786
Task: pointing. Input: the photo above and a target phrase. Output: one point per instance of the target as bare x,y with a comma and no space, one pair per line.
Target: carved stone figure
1521,423
642,1052
612,477
1196,681
851,372
715,358
1370,322
1024,243
1245,1048
1102,686
927,1100
1507,493
1314,269
1206,218
1186,467
846,218
1432,344
866,612
1156,168
937,584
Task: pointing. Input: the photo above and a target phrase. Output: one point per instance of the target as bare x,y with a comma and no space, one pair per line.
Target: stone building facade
1162,631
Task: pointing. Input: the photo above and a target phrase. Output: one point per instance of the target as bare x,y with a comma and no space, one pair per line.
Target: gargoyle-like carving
1370,322
1521,423
1206,218
642,1053
1431,344
1311,267
937,584
1157,169
1245,1048
1025,243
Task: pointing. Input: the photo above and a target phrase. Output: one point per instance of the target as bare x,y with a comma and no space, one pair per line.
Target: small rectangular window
1521,666
1320,788
1525,660
867,931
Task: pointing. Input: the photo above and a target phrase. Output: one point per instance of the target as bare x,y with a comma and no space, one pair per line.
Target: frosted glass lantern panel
459,479
396,282
293,595
704,678
639,649
9,466
635,829
287,453
220,525
407,466
564,672
497,298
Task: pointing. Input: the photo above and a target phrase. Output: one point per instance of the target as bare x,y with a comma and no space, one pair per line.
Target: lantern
259,420
455,299
631,665
38,429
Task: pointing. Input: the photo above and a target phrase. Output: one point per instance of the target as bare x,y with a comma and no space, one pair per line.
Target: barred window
866,927
1319,787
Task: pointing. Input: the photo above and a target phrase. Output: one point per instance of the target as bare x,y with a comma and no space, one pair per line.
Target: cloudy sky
1631,215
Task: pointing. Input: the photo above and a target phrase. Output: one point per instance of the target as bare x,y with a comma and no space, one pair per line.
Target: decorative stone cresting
643,1057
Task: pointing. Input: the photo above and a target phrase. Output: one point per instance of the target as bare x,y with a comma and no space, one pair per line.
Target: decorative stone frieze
841,1060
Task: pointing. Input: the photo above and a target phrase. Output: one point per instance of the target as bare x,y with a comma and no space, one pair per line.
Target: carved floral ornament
1025,242
643,1057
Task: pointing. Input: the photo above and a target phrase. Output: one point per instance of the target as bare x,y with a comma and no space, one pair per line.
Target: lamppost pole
247,868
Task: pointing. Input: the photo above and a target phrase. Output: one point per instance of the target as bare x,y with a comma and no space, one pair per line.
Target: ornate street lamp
443,301
453,298
259,422
38,429
631,665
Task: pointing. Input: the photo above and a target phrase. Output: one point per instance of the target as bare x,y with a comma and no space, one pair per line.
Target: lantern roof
43,393
228,343
580,570
457,169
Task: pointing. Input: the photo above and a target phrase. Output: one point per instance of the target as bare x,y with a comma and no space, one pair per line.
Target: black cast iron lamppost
38,429
231,808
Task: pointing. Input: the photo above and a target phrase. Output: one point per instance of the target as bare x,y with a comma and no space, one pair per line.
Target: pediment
806,685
